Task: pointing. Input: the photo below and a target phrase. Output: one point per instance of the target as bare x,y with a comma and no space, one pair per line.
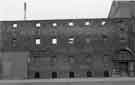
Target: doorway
36,75
106,73
123,69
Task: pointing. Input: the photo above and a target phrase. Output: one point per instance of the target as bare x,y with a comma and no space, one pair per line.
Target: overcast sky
54,9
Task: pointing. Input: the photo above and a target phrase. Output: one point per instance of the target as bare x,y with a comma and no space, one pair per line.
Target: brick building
68,48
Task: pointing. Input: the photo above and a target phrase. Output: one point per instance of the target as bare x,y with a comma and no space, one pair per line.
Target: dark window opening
37,75
122,29
123,38
54,59
14,39
89,74
106,73
71,74
104,36
54,74
14,42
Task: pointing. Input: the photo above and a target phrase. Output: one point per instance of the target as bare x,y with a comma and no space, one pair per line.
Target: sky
54,9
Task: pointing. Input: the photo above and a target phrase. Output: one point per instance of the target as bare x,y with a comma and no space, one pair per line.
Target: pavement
77,81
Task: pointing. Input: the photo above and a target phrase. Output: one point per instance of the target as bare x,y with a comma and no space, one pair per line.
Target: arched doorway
122,62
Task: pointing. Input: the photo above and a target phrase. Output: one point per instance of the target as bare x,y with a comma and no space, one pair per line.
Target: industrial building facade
67,48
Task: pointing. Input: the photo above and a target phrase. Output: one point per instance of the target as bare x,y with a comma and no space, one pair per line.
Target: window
38,25
54,24
104,36
87,23
14,42
54,59
124,68
71,24
87,40
71,40
36,75
54,41
123,37
71,59
15,25
122,29
37,41
28,59
88,59
103,23
54,74
14,39
71,75
89,74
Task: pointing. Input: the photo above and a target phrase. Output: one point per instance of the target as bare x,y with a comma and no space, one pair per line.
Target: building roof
122,9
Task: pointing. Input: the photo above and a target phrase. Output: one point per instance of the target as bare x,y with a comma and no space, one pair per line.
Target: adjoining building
122,9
